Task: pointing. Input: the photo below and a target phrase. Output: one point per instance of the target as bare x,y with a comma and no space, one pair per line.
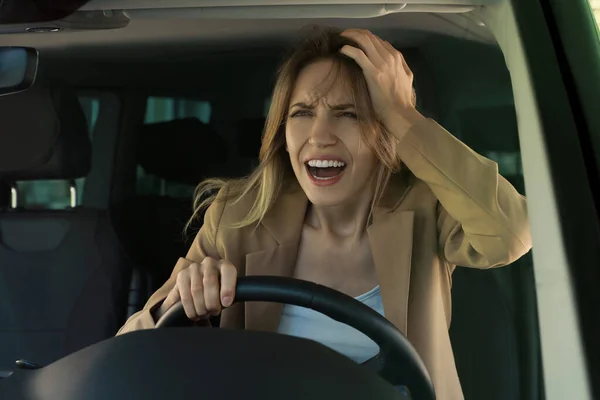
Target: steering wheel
397,361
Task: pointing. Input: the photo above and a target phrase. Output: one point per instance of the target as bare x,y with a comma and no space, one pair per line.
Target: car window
91,108
56,193
595,4
163,109
509,163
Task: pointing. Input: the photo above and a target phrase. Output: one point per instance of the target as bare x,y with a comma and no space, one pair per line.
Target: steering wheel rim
397,362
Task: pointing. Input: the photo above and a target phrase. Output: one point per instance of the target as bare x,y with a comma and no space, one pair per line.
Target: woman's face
331,161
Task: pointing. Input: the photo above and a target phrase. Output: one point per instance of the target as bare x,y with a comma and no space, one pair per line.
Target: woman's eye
349,114
301,113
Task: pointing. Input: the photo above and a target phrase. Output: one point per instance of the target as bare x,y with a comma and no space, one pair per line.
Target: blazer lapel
391,239
284,223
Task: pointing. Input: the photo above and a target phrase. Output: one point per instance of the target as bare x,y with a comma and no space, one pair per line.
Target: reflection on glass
13,65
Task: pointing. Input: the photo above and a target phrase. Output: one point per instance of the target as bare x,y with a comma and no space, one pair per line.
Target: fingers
172,298
185,293
371,44
388,46
228,281
399,54
204,288
197,288
368,44
386,54
359,56
389,79
210,270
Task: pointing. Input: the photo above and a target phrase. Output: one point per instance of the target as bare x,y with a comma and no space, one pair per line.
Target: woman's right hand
204,289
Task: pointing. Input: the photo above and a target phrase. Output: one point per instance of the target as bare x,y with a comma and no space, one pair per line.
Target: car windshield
167,95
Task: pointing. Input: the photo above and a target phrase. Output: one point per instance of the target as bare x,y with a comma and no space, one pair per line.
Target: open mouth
325,170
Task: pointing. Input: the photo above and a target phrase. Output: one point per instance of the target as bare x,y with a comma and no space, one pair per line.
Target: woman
358,191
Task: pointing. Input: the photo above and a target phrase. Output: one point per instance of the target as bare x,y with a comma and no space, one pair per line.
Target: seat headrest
44,135
183,150
249,136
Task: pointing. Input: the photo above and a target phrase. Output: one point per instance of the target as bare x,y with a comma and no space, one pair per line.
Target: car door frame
558,139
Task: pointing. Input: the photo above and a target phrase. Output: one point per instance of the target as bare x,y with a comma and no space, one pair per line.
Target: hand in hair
389,79
204,289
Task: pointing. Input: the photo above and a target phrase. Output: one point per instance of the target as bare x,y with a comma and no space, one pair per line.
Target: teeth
325,163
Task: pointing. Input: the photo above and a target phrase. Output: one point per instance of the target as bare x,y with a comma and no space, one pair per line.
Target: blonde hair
274,172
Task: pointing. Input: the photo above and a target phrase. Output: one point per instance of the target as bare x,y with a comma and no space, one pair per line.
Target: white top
309,324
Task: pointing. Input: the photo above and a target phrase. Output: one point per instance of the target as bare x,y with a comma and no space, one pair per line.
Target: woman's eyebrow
335,107
343,106
302,105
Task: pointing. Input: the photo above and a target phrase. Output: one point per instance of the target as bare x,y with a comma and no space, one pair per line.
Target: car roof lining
162,31
143,4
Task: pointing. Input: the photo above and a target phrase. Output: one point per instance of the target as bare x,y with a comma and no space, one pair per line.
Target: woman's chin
324,198
328,195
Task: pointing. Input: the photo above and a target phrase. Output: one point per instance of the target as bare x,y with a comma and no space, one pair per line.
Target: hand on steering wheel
203,289
397,362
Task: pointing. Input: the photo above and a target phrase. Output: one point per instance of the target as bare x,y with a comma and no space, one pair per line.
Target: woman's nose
322,133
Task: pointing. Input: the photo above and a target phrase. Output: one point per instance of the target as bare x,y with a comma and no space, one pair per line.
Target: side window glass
163,109
510,167
595,4
91,109
493,133
56,194
509,163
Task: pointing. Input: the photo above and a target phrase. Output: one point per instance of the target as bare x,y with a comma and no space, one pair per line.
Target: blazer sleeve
482,219
204,245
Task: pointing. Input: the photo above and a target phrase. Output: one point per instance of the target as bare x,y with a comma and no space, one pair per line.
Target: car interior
138,107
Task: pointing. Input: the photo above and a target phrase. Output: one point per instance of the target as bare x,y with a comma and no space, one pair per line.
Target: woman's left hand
389,79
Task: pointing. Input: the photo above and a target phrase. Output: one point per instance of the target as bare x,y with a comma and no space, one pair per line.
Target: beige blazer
453,208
